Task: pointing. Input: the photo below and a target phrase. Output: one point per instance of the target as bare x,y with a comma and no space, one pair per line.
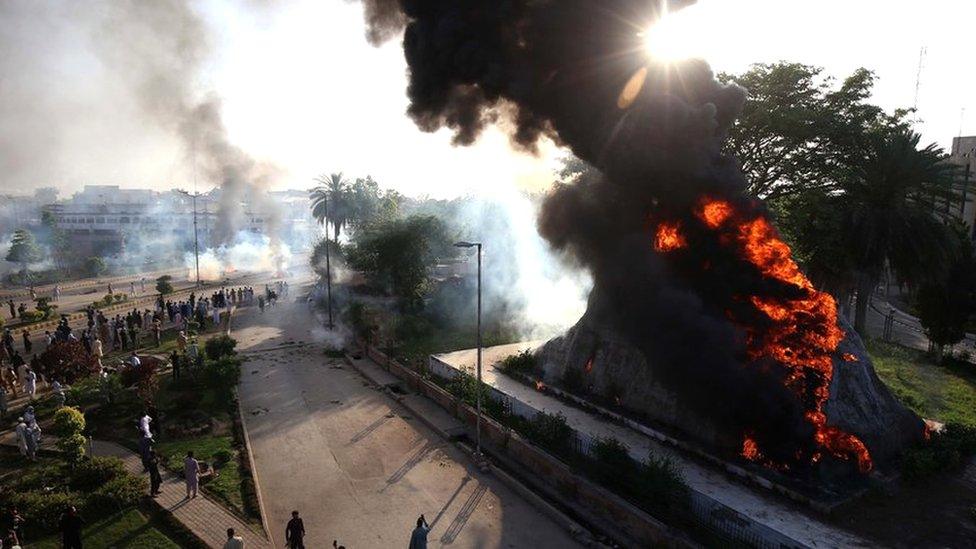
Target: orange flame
715,212
540,386
668,237
850,357
589,365
750,450
802,333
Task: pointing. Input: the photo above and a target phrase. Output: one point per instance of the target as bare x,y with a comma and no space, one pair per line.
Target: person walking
28,346
98,352
295,532
418,540
13,311
155,479
191,472
71,525
33,436
157,329
233,540
30,383
21,431
174,360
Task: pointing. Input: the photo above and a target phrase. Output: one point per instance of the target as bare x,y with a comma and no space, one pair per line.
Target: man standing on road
191,471
233,541
295,532
418,540
13,312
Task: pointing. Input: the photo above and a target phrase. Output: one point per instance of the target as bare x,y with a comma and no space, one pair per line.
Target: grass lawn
129,528
227,486
944,393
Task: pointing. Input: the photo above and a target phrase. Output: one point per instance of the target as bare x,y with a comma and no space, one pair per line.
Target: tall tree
395,255
889,212
330,202
796,128
946,303
23,249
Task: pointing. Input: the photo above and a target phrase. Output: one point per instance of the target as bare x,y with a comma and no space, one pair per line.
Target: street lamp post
478,391
196,238
328,265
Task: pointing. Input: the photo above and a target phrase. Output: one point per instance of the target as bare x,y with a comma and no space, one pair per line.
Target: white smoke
249,253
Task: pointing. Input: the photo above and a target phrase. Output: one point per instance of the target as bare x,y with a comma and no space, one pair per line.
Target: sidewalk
206,519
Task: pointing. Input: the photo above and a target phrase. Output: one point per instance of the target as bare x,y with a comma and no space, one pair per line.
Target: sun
672,37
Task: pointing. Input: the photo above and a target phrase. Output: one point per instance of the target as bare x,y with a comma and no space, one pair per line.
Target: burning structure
699,317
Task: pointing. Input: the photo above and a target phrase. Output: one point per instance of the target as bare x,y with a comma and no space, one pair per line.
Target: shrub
222,456
31,316
551,432
222,374
163,285
945,451
67,362
220,346
612,466
43,304
43,509
95,266
69,423
116,494
92,473
523,362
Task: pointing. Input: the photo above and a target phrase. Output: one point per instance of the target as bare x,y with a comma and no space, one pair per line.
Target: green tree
890,214
330,202
395,255
95,266
796,129
946,303
23,249
163,284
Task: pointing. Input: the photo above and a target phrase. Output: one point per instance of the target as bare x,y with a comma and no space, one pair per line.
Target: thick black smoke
559,69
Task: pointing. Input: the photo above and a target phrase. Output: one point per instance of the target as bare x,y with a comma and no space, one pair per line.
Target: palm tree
892,206
330,202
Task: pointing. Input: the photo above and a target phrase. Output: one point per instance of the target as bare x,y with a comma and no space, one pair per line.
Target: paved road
358,466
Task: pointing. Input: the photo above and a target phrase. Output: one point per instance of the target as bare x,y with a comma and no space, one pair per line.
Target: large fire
801,332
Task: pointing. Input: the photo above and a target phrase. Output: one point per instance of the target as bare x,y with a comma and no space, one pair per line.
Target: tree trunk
865,285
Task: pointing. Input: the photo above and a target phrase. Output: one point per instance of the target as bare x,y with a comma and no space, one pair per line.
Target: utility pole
328,264
478,392
196,240
918,82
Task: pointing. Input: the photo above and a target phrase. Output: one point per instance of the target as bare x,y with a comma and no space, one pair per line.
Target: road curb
254,475
577,531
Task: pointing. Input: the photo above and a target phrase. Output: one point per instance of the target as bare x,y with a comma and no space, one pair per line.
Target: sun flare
672,38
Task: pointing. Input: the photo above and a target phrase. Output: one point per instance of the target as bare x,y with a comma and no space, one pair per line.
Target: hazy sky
302,88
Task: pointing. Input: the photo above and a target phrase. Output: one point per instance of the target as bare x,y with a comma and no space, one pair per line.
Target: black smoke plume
576,71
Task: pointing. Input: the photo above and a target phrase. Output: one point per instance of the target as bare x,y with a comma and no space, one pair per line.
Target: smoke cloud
576,72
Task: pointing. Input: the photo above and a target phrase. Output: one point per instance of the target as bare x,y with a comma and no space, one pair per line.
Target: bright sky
303,88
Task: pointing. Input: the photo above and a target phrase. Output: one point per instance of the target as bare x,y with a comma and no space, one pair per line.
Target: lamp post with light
196,239
477,245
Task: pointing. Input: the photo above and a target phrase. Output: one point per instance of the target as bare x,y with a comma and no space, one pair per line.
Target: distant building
963,154
107,219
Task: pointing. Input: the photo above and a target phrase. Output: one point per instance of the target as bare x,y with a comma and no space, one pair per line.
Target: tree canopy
797,128
395,255
23,248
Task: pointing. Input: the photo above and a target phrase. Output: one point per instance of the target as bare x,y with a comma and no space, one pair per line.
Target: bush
220,346
89,474
43,304
31,316
945,451
95,266
116,494
163,285
223,374
43,509
67,362
120,297
523,362
551,432
69,423
222,456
